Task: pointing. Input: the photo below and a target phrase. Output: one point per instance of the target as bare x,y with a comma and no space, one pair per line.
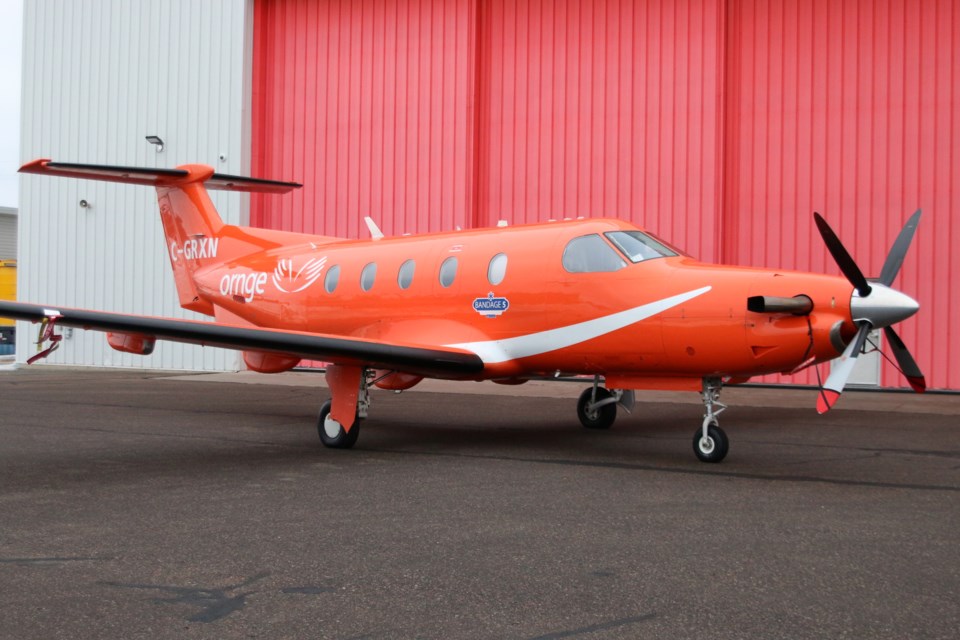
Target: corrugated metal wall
369,104
8,236
98,76
720,124
431,114
602,109
851,109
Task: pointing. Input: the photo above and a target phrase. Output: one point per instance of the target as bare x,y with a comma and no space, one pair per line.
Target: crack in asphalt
215,603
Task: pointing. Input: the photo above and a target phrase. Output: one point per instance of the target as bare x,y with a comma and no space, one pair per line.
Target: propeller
842,257
907,364
872,307
891,266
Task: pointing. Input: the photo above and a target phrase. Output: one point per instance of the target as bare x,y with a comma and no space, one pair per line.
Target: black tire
601,418
715,448
343,439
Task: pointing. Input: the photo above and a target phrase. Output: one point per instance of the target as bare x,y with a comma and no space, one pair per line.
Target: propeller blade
891,266
833,387
907,364
842,257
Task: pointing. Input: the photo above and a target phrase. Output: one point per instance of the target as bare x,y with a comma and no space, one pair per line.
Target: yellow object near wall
8,285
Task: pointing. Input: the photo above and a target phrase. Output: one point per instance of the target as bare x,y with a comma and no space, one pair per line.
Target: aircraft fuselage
688,318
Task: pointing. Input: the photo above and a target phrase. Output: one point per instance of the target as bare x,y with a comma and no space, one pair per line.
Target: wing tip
34,166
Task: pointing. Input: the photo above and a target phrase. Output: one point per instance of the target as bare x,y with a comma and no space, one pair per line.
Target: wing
420,360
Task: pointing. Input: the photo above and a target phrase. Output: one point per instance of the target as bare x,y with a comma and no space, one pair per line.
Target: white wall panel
98,76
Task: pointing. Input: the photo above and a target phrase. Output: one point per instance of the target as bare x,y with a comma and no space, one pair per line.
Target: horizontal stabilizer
156,177
224,182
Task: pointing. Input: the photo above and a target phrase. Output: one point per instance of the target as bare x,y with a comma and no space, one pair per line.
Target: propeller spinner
873,306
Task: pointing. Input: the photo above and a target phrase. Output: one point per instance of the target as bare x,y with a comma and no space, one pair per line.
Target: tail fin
191,223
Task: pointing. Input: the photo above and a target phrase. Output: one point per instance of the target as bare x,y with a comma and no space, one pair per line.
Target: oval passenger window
497,269
448,271
332,279
367,276
405,277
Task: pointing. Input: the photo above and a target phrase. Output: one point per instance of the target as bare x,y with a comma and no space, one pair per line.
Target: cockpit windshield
590,254
638,246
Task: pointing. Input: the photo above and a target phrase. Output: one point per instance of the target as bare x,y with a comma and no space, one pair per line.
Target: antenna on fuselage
375,232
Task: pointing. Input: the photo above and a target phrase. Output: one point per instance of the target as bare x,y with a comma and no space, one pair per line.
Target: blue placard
491,306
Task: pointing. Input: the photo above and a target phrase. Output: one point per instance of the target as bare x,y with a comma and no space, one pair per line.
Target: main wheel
601,417
714,447
332,433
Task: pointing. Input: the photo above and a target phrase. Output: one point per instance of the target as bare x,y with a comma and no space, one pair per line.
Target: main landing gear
332,433
351,386
597,409
597,406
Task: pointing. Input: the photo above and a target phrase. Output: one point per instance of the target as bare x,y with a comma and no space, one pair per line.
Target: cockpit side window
638,246
590,254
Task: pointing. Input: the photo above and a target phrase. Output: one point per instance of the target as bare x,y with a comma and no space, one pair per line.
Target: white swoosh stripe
496,351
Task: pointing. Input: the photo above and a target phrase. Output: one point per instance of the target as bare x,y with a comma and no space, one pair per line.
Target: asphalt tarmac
144,505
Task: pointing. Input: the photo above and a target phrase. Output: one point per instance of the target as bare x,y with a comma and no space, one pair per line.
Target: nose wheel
710,443
711,447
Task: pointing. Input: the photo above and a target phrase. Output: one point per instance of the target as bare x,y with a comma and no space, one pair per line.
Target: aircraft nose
883,306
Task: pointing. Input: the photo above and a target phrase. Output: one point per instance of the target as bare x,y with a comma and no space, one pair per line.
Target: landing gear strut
710,443
332,433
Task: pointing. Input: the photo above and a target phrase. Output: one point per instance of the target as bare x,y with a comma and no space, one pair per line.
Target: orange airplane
597,298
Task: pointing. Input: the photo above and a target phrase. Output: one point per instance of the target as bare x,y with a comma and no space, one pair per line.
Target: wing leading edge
427,361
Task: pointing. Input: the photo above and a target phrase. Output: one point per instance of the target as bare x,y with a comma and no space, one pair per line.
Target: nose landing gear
710,443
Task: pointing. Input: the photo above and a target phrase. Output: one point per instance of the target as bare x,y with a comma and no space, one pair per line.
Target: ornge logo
284,278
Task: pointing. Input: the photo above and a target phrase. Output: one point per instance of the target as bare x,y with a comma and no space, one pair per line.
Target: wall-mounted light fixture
157,141
84,204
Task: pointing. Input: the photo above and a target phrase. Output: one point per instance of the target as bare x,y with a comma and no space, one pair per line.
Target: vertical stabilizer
192,229
191,224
